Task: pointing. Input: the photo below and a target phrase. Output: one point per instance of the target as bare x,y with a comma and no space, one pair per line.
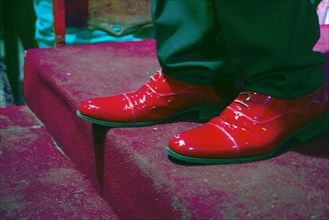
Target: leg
190,55
270,46
188,45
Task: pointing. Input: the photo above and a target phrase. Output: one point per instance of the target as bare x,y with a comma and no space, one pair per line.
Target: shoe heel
209,112
312,130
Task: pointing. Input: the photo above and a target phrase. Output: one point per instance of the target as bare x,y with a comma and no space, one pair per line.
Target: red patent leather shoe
159,100
252,127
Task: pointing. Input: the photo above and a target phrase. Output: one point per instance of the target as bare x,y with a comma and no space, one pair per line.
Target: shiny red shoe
252,127
160,100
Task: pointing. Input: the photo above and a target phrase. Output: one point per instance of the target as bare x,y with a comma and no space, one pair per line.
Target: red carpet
132,170
37,181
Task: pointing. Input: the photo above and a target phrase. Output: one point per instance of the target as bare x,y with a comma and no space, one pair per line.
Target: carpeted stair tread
37,181
139,180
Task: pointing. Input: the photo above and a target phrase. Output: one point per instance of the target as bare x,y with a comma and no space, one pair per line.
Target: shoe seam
236,146
178,93
131,106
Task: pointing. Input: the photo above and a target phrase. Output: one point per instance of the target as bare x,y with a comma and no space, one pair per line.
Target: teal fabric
44,34
186,36
264,46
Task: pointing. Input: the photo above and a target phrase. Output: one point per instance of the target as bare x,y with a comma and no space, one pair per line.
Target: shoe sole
204,113
306,133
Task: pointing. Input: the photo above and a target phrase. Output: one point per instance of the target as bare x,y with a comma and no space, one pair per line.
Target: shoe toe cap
107,109
89,108
203,142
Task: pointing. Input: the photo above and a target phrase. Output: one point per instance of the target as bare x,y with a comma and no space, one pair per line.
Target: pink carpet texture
37,181
129,168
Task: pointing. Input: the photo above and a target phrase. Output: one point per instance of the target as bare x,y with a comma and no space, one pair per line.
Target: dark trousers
264,45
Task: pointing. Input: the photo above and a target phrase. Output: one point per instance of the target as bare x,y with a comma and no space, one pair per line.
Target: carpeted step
36,180
129,165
